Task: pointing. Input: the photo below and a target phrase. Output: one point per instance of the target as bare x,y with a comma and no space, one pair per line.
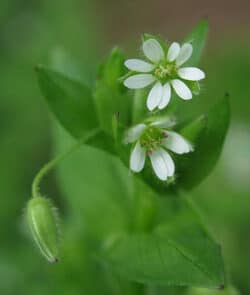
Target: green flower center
151,138
165,72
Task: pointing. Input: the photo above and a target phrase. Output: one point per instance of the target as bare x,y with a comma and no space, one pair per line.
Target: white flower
154,140
164,71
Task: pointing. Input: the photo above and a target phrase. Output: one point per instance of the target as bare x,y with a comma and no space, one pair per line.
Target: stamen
165,134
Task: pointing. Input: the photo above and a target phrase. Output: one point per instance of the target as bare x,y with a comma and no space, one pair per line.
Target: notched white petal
139,65
134,133
159,164
166,95
153,50
173,51
168,162
164,123
139,81
155,96
191,74
181,89
185,53
177,143
137,158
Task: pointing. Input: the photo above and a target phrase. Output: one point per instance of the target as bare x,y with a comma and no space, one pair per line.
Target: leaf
113,68
198,165
69,100
179,252
193,129
198,39
110,95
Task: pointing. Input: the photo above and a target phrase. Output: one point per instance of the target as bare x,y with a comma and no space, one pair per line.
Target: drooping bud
43,224
221,291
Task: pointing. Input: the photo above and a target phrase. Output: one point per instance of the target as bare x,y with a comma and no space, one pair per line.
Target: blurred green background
29,32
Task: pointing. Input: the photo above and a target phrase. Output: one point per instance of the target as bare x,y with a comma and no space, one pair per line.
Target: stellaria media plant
147,231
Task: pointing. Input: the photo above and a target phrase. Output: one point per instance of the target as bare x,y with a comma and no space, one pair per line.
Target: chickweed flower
153,140
164,71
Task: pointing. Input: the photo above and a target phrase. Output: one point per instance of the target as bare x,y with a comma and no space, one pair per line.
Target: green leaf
113,68
70,101
198,39
193,129
179,252
194,167
110,95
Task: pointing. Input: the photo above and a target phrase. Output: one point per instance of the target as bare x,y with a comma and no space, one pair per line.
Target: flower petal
166,94
139,65
137,158
164,123
139,81
154,96
134,133
173,51
169,162
191,74
162,164
177,143
185,53
181,89
153,50
159,164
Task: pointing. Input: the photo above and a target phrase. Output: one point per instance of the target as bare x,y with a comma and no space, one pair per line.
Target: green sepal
194,86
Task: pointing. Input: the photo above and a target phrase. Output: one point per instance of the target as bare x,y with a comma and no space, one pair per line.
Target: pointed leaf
194,167
198,39
69,100
179,252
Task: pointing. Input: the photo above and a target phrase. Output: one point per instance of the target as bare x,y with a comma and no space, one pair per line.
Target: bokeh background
30,30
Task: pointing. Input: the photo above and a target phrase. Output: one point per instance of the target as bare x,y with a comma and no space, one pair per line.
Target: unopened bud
42,221
220,291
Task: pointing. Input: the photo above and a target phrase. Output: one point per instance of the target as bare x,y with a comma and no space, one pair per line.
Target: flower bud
42,221
221,291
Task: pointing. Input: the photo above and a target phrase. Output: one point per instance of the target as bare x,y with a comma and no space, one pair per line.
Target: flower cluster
164,70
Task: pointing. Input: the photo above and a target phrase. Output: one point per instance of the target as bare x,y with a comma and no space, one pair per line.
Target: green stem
51,164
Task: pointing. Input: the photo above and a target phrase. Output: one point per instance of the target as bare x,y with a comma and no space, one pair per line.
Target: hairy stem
51,164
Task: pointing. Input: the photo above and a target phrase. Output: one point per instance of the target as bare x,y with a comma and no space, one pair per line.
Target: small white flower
164,71
154,140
